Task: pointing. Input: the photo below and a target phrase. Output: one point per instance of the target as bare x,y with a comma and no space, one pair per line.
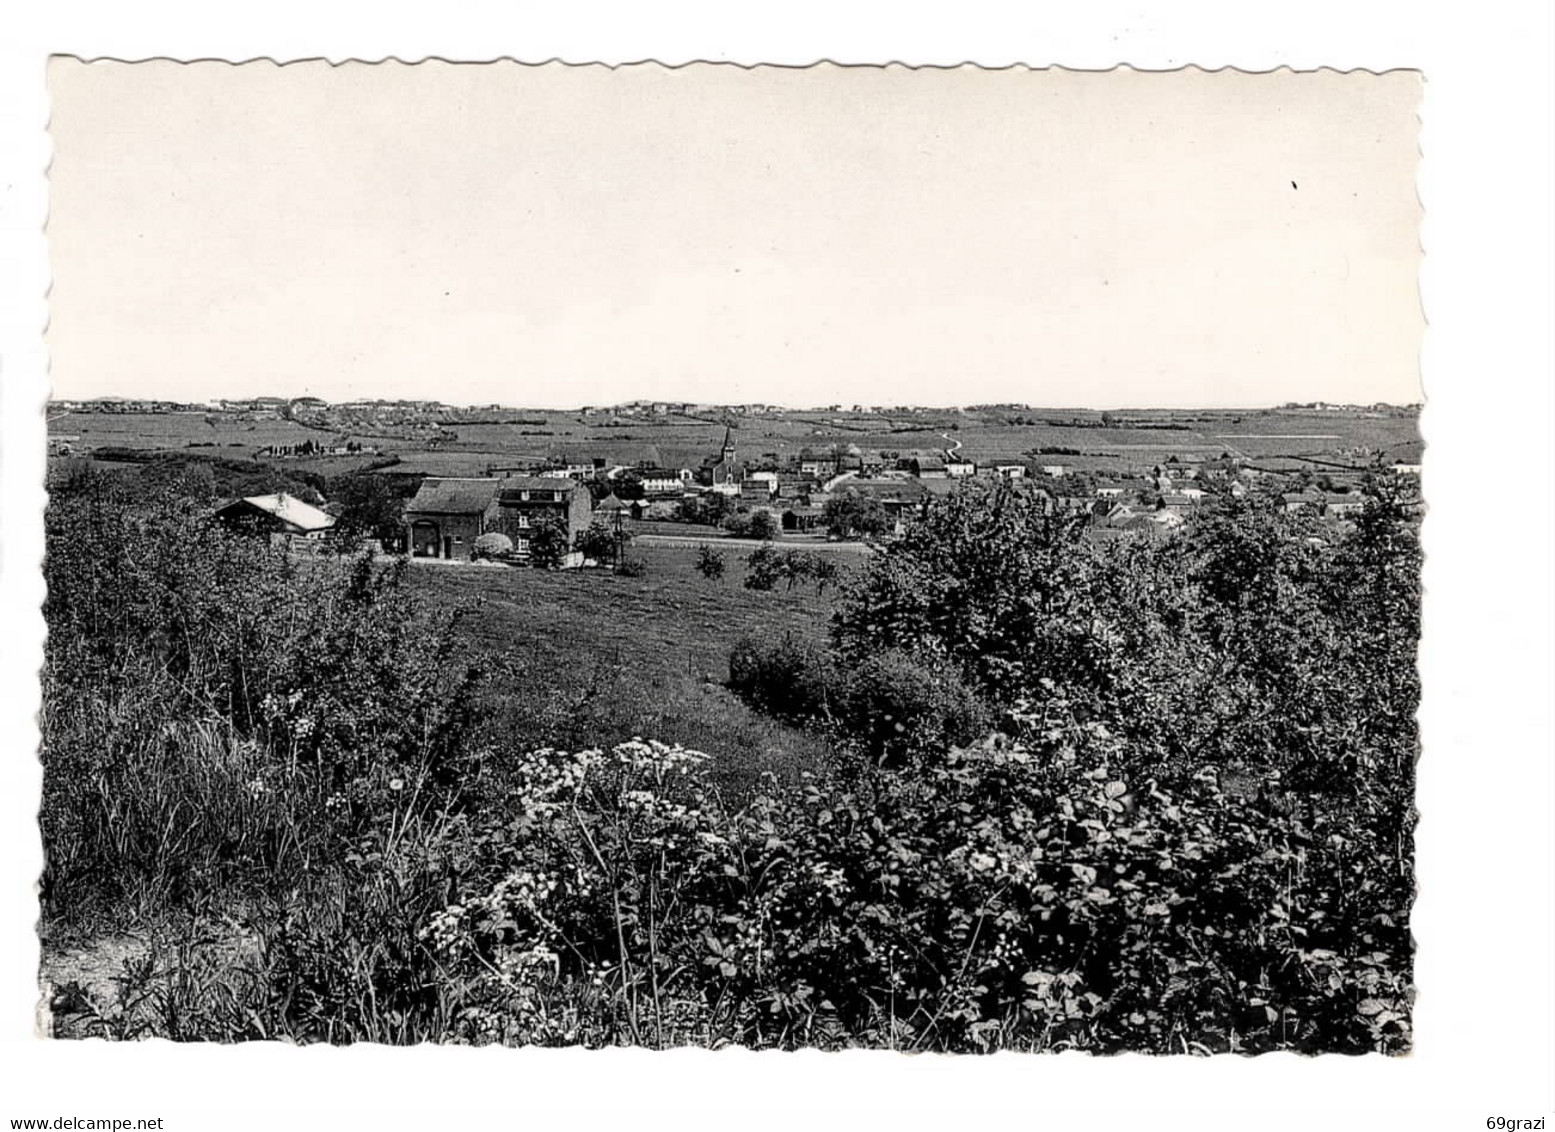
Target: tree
763,526
763,568
850,514
795,566
710,562
628,485
548,544
758,525
369,508
599,542
988,579
708,509
824,570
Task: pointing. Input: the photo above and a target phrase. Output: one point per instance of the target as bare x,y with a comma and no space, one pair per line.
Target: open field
227,434
675,440
606,658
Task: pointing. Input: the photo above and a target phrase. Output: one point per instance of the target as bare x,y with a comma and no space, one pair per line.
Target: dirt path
690,542
78,978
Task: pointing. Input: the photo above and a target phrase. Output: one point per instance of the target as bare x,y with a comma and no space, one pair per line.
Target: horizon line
836,407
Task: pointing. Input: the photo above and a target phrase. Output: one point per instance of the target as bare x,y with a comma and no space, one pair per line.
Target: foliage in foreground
231,733
1012,895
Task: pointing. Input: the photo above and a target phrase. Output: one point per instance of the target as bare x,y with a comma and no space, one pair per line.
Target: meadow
590,657
227,433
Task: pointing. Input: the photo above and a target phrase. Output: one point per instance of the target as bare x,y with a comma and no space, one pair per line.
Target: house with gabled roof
448,514
928,467
279,514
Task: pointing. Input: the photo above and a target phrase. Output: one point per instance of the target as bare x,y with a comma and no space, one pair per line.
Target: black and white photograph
824,559
721,586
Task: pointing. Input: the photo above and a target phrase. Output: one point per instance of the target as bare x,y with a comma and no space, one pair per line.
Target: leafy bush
632,568
600,542
1012,895
896,703
849,514
786,676
757,525
548,544
217,714
709,562
492,544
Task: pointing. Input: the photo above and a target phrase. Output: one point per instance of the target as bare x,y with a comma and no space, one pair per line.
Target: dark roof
883,489
439,496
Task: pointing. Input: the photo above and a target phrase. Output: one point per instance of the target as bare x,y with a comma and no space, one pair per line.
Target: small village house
279,515
1294,501
1338,506
756,490
448,514
928,467
821,465
664,481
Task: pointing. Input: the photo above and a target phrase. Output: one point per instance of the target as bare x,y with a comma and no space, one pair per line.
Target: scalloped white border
1483,919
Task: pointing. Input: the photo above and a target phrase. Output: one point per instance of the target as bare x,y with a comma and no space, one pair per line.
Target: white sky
560,236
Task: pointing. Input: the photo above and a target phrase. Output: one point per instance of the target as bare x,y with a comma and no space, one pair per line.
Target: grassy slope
606,658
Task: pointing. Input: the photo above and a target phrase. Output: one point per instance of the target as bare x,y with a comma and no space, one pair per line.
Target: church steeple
727,454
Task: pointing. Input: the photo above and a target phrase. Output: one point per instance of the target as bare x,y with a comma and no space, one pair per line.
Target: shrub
710,562
207,700
632,568
492,544
896,703
757,525
787,677
599,542
1011,895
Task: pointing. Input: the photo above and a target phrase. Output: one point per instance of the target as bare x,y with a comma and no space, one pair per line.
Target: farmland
446,443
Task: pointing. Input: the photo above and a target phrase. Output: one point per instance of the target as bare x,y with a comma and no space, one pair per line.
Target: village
839,493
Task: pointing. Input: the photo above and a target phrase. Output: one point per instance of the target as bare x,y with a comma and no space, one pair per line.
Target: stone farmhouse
447,515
